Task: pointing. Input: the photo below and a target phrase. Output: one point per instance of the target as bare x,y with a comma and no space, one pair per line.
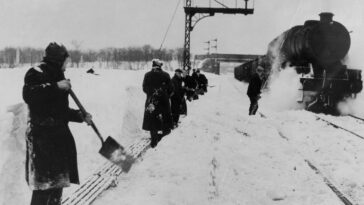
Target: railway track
335,125
337,192
103,178
358,119
329,183
343,198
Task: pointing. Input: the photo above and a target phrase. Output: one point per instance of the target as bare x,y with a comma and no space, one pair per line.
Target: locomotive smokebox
326,17
329,41
324,42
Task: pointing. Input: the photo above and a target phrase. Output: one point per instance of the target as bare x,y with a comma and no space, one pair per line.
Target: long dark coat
158,87
177,96
254,87
183,110
191,86
190,82
51,160
202,82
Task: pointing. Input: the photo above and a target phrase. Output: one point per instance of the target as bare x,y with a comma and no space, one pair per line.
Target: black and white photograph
181,102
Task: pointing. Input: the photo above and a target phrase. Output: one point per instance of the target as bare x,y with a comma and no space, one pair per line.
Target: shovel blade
115,153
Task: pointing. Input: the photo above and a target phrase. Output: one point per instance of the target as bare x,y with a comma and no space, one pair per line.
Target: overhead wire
169,26
221,4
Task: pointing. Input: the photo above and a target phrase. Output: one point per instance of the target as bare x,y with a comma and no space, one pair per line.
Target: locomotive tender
316,50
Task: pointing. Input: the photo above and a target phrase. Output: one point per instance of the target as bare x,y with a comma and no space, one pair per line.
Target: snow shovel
110,149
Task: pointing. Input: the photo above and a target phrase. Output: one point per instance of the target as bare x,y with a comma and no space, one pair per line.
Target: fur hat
56,53
157,63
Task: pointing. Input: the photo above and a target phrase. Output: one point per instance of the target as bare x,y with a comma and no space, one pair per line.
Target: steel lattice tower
188,29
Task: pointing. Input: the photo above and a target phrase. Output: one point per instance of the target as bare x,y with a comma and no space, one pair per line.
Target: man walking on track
158,87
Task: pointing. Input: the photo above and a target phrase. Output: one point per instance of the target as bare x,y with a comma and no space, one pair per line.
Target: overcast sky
120,23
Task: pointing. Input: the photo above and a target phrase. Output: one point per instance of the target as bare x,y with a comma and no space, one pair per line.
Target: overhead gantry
196,14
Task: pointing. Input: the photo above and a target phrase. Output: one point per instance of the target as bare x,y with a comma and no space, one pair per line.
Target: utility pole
195,14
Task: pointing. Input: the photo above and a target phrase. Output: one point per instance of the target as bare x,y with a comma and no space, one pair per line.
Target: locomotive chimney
326,17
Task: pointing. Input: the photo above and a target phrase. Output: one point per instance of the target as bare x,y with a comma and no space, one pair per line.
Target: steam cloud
283,83
354,60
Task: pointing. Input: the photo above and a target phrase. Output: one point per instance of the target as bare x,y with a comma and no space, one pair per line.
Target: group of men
51,160
166,98
51,157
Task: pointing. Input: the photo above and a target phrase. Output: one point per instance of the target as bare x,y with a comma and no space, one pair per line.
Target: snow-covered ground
218,154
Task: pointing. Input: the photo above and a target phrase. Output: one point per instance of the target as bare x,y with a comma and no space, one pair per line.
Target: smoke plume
283,83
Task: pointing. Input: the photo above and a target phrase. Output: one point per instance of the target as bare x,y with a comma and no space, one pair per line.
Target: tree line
11,57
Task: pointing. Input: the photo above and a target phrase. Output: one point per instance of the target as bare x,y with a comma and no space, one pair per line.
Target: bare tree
76,54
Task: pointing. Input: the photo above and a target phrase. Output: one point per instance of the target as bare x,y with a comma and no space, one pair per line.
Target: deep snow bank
12,159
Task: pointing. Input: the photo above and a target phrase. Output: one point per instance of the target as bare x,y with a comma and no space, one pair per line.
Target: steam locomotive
316,50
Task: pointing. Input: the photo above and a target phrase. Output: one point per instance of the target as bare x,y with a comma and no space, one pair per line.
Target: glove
64,85
150,108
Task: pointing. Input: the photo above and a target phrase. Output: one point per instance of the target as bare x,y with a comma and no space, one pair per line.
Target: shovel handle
78,103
